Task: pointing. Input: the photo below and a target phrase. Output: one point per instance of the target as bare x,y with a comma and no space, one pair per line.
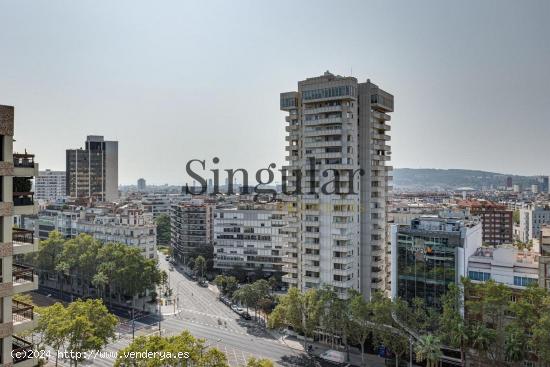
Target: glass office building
429,254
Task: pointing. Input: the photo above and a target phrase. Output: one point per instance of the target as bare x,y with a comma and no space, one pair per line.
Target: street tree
163,230
53,326
200,265
428,349
168,349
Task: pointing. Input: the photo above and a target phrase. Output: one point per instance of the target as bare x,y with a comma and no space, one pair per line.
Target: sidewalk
370,360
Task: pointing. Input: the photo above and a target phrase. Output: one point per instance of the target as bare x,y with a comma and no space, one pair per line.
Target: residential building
50,185
158,204
127,225
544,260
505,264
192,232
16,171
92,172
337,127
531,219
141,185
431,253
496,220
250,236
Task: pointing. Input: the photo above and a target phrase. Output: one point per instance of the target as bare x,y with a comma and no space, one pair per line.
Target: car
246,316
167,258
203,284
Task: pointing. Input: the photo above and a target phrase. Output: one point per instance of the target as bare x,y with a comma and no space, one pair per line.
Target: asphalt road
200,312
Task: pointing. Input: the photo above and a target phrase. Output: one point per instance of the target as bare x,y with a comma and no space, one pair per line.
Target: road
199,311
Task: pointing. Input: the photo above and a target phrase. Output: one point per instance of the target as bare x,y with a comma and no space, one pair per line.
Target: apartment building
532,218
505,264
496,220
337,127
50,185
92,172
127,225
431,253
250,236
544,260
16,198
192,232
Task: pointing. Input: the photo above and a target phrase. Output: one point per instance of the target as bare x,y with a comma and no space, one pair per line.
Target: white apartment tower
337,230
50,185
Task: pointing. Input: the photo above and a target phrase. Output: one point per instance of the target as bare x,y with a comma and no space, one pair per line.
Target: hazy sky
176,80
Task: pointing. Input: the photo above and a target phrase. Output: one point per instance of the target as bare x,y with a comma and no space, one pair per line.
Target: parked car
167,258
203,284
246,316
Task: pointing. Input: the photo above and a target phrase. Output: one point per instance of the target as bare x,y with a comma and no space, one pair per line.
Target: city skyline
471,78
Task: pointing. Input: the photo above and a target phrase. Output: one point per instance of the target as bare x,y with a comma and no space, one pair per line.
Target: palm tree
99,281
63,269
428,349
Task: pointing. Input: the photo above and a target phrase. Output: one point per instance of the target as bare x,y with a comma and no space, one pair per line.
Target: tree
100,281
163,230
197,353
428,349
489,305
53,325
62,269
82,326
253,362
199,266
452,328
385,331
360,317
298,310
90,326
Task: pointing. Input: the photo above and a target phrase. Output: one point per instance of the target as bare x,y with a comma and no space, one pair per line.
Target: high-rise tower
337,146
93,172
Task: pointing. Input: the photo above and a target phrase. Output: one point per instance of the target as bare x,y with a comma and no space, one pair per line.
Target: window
523,281
478,275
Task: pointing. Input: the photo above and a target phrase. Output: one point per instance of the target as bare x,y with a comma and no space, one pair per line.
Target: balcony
24,241
23,203
24,279
22,352
24,165
22,316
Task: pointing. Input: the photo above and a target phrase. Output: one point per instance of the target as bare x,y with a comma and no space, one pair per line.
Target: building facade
50,185
496,220
337,129
128,226
429,254
544,260
192,231
16,171
250,236
125,224
532,218
92,172
506,265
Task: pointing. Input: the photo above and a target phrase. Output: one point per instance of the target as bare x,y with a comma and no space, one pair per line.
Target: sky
180,80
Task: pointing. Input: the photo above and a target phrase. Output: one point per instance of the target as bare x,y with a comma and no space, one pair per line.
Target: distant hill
445,179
